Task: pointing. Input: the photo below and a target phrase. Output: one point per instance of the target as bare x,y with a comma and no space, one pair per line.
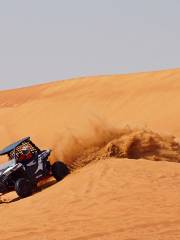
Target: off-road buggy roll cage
13,151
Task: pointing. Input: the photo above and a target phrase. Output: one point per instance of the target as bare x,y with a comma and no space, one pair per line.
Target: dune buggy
27,165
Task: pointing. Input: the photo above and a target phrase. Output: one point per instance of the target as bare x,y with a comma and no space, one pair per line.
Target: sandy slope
111,198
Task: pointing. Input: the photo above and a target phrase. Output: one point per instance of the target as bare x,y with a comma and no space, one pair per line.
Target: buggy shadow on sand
27,165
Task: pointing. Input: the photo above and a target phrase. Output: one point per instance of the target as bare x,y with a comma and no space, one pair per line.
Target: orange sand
97,120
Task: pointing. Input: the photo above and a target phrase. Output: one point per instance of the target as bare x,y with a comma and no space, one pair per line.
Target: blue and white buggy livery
27,165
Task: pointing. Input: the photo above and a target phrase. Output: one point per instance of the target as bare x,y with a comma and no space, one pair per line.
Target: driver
26,153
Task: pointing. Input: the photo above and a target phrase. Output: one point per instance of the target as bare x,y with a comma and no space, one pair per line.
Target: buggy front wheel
59,170
23,187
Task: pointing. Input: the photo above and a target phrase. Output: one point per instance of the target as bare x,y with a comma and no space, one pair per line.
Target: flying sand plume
106,142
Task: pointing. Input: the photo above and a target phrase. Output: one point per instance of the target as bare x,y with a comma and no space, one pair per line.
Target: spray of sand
106,142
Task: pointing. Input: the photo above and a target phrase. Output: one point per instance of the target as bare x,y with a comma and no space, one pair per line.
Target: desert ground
120,137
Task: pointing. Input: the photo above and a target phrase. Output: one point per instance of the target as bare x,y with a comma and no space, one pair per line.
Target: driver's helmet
25,152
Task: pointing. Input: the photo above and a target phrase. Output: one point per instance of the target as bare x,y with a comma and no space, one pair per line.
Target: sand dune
111,199
115,123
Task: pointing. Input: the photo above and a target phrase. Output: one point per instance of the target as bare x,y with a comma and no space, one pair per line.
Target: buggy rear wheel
23,187
59,170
